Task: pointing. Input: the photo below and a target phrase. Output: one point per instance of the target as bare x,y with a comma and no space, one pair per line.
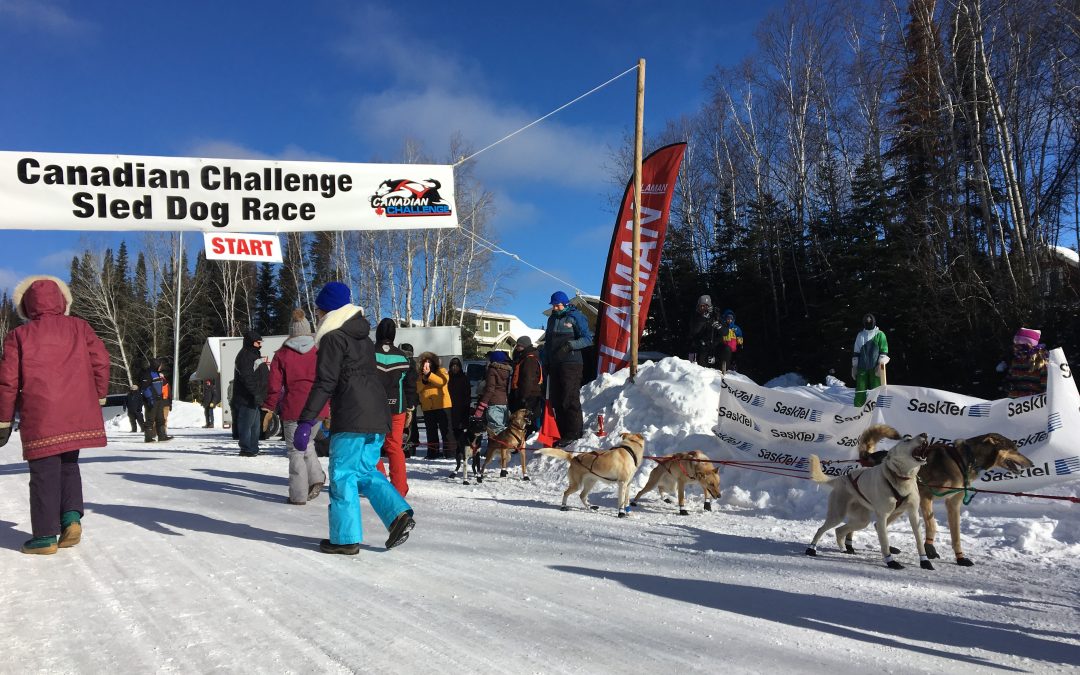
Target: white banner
765,425
52,191
237,246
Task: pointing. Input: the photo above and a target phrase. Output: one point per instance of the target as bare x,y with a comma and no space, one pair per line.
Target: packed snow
191,561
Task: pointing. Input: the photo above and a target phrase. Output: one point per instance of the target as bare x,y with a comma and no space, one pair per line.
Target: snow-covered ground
191,561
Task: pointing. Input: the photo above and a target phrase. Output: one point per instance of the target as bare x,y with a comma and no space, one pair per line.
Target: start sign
236,246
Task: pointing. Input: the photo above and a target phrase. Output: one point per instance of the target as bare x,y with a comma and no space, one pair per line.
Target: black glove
564,348
5,434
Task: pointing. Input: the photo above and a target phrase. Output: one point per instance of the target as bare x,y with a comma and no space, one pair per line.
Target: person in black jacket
210,400
134,406
346,374
251,380
398,378
705,330
460,402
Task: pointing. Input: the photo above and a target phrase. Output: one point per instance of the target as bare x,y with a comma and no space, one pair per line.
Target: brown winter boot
40,546
71,535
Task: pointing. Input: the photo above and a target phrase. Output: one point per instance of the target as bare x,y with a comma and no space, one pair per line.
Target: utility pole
635,266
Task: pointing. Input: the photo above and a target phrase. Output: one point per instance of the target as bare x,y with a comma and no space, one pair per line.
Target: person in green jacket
868,362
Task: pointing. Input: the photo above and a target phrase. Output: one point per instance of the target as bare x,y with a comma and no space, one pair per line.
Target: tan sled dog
615,465
951,468
882,492
679,470
509,439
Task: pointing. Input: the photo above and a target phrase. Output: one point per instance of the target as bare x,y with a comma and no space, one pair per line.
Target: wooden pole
635,286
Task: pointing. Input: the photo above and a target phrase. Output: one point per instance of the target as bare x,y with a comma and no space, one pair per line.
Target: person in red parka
292,372
55,370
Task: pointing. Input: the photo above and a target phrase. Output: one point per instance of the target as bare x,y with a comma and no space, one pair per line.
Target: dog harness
965,463
596,456
900,499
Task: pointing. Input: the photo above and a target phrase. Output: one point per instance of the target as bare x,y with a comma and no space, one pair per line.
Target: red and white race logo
236,246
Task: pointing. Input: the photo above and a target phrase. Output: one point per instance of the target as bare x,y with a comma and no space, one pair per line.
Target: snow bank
183,415
674,402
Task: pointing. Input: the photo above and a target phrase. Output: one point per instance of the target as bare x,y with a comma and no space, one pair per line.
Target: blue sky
348,81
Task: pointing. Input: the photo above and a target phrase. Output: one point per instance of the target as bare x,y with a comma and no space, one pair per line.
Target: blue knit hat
497,356
332,296
559,298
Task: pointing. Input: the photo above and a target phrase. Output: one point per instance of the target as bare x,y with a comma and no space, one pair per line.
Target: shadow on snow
851,619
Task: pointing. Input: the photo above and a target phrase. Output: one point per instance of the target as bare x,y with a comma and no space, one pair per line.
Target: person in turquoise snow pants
345,374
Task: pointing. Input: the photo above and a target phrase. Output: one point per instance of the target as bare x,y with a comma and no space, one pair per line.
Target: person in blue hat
346,375
567,333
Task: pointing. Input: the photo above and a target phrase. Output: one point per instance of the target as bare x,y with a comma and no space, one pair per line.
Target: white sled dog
883,492
615,465
675,472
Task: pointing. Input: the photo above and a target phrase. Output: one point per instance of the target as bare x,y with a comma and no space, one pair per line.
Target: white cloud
552,152
42,15
56,259
9,279
596,238
224,149
431,93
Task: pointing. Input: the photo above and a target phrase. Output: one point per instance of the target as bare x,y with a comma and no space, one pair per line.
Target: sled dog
882,492
512,438
679,470
469,456
949,469
614,465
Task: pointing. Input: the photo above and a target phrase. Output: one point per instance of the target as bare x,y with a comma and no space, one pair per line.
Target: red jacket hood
41,295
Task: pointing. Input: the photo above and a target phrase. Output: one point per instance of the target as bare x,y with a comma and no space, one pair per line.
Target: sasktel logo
936,408
740,418
1053,422
784,458
979,410
744,446
834,469
746,397
1034,403
868,407
798,412
884,401
804,436
1067,465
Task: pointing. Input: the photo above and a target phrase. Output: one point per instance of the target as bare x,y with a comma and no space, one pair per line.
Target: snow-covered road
192,562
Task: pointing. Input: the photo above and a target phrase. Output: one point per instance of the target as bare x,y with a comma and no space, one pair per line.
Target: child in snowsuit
868,362
57,370
1025,372
731,339
493,402
346,376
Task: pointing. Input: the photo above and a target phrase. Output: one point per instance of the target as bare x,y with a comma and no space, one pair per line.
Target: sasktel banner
760,424
658,173
52,191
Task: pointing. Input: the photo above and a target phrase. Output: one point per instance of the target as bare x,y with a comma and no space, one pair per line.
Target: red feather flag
658,173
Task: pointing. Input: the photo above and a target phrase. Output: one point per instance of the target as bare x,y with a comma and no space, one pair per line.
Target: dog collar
628,449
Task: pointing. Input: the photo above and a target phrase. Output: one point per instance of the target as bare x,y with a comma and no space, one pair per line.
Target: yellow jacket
434,394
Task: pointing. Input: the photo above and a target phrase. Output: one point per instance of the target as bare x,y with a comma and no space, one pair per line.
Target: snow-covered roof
1066,255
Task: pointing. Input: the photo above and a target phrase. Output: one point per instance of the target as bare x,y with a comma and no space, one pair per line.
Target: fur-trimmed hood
336,319
42,294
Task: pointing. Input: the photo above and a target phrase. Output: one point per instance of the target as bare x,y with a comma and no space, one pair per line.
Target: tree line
914,160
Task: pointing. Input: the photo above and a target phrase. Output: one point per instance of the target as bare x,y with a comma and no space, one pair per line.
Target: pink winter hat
1027,336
